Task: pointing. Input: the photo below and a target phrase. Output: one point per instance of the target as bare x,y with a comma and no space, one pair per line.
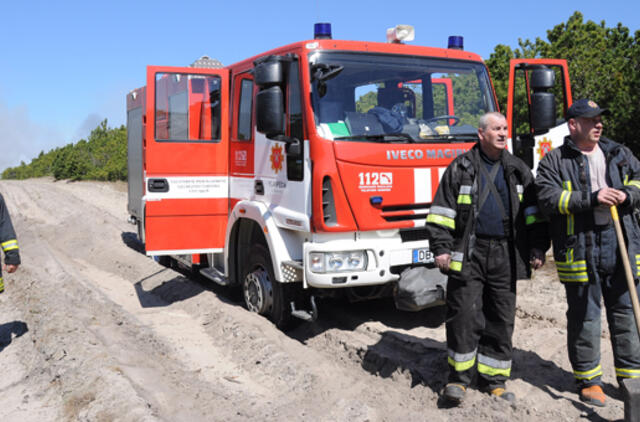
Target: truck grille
411,235
407,212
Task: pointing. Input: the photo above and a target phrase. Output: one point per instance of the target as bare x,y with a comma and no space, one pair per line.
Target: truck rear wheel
262,293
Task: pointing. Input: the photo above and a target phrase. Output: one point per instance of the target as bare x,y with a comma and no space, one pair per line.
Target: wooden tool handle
633,292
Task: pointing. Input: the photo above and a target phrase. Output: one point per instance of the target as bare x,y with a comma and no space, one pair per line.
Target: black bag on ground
420,288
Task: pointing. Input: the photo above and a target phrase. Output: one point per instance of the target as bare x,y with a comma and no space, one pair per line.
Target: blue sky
67,65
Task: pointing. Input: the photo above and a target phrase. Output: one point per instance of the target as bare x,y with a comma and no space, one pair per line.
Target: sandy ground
93,330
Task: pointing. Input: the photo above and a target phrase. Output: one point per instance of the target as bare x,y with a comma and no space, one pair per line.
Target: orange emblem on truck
276,158
544,146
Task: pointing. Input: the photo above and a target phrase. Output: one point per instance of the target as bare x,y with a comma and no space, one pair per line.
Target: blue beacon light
322,31
456,42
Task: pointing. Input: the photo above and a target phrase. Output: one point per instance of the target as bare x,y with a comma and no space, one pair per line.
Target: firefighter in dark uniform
486,232
577,184
8,242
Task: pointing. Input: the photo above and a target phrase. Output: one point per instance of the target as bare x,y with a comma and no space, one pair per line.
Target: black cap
586,108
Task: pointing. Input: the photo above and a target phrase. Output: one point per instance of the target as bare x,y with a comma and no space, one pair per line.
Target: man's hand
610,196
11,268
536,258
443,261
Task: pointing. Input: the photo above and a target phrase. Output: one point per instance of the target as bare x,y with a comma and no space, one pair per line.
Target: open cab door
186,147
538,99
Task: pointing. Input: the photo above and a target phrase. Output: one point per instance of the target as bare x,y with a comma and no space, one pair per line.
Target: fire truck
309,170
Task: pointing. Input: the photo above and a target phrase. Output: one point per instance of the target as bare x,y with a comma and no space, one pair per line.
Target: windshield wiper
381,137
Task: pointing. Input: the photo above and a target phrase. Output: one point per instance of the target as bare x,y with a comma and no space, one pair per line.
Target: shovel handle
633,292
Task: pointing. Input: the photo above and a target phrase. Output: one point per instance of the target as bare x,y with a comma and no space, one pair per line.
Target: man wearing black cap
577,184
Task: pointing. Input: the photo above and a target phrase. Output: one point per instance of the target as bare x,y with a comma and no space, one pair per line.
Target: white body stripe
422,185
188,187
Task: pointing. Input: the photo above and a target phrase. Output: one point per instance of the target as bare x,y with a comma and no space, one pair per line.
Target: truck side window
245,108
296,128
187,107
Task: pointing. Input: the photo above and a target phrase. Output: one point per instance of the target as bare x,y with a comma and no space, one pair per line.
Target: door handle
258,187
158,185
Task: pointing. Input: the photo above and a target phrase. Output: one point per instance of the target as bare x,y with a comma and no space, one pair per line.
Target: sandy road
91,329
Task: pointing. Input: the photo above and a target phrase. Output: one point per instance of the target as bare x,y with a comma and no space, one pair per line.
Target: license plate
422,256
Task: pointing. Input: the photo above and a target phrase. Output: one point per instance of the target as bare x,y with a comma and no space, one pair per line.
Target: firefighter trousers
584,314
480,316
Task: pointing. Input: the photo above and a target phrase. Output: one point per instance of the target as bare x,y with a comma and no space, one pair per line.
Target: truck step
305,315
215,276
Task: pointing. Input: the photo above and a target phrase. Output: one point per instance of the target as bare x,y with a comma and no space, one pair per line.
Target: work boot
503,394
454,392
593,395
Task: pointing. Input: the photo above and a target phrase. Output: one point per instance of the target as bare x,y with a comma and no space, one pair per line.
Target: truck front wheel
262,293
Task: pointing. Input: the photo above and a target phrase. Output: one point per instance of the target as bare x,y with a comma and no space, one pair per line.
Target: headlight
336,262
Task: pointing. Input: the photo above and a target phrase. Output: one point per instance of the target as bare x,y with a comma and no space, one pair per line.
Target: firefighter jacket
8,239
452,218
564,192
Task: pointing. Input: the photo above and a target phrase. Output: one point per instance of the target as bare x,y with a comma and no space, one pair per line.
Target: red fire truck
309,170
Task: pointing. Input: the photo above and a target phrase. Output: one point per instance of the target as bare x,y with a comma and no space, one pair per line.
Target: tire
262,293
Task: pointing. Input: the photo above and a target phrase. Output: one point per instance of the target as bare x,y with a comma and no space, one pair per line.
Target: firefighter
8,242
577,184
486,232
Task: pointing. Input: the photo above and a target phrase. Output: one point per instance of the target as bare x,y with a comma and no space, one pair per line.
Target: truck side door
186,160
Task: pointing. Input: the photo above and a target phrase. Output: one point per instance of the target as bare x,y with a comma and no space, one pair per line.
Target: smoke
90,122
22,139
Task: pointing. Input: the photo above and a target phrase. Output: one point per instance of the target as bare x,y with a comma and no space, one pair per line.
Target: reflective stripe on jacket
564,192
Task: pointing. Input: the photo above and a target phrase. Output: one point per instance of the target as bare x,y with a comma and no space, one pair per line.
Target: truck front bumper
383,254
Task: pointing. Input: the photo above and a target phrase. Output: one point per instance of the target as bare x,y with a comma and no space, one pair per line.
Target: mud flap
420,288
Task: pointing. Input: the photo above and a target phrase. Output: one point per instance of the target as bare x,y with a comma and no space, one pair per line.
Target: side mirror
543,111
543,104
542,79
269,71
270,111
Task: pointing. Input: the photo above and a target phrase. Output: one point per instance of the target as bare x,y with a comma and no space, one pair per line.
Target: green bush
103,156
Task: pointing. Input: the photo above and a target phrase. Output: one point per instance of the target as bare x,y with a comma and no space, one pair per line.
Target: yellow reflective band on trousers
461,366
638,265
1,285
488,370
492,367
461,361
441,220
10,245
587,375
570,272
627,373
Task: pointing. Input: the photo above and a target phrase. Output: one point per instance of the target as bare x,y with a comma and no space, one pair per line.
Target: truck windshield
393,98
